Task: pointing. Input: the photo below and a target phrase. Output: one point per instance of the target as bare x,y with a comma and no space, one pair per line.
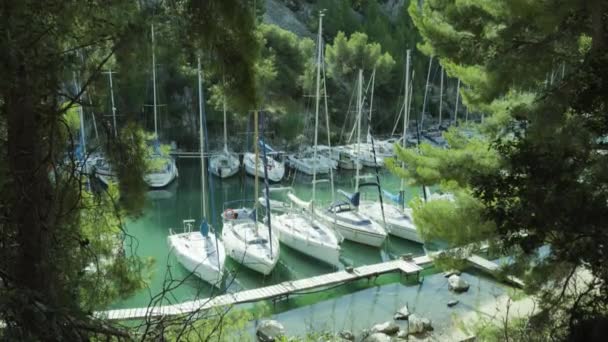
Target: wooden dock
492,267
282,290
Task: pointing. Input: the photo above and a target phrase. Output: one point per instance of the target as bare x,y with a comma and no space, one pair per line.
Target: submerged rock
402,314
388,328
377,337
269,330
453,302
457,284
347,335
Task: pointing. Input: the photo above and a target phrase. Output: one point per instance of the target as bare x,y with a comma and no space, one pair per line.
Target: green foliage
109,273
347,55
466,158
458,222
541,180
61,246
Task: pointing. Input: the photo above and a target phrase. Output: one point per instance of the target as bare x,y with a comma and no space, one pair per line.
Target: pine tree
536,177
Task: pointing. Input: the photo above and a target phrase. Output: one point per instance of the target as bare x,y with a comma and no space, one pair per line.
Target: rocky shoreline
404,326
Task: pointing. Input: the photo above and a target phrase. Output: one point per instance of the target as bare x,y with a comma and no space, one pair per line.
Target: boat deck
282,290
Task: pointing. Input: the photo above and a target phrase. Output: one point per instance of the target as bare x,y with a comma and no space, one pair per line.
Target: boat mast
371,102
426,90
256,141
112,99
331,171
406,117
83,142
225,127
317,100
202,138
359,90
457,98
154,83
441,96
266,191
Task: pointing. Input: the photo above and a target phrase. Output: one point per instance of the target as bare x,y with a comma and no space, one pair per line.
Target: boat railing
186,226
239,202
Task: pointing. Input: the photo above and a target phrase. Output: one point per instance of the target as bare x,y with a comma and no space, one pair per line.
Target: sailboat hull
276,170
238,238
398,223
295,232
224,164
199,255
370,234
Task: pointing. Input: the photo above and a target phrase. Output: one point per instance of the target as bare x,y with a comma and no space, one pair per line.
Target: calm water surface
182,200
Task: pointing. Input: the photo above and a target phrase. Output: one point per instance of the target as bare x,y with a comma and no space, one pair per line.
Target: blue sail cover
252,214
156,147
397,198
204,228
265,146
352,198
78,153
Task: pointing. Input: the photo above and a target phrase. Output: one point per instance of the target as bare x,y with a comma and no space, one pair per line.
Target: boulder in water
402,314
457,284
453,302
388,328
419,325
377,337
347,335
269,331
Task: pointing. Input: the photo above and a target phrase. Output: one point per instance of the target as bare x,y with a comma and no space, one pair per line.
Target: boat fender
230,214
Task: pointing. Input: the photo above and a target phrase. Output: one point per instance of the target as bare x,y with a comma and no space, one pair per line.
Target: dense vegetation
533,182
530,181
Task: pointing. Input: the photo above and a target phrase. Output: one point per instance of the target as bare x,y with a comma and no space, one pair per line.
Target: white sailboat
399,221
345,217
164,169
225,163
302,230
309,164
199,251
248,244
274,169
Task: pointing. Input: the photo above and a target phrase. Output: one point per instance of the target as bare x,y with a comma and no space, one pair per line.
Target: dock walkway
282,290
492,267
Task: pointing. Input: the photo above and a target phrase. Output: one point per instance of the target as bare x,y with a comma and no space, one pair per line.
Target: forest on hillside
361,35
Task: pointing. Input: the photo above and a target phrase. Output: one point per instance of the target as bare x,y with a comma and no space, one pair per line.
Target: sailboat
271,169
301,230
247,243
399,221
98,164
163,169
225,163
345,216
200,251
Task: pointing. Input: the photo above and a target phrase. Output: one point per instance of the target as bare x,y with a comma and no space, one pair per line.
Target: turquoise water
182,200
361,308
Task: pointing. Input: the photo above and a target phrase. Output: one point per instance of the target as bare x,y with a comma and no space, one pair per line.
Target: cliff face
292,18
293,15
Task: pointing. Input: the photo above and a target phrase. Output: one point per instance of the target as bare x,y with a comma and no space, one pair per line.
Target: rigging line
213,213
266,192
331,171
376,168
350,102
